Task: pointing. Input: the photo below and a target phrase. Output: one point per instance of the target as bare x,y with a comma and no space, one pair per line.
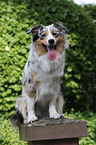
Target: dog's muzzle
51,49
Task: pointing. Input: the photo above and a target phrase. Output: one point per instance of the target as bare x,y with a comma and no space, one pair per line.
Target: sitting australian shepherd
41,79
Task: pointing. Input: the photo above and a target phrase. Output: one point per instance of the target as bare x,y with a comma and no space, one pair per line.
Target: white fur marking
50,36
30,107
52,109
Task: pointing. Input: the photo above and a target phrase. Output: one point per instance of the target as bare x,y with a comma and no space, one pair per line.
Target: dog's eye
43,36
55,34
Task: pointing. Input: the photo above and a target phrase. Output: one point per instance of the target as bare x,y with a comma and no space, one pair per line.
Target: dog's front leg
30,109
52,109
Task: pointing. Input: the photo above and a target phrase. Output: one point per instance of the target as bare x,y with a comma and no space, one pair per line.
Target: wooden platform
54,132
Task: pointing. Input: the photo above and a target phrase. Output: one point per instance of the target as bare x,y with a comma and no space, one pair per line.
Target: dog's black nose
51,41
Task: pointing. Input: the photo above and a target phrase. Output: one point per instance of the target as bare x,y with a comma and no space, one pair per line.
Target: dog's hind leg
21,105
59,105
52,109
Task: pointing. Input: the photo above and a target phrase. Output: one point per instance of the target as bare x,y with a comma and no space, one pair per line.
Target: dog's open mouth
51,51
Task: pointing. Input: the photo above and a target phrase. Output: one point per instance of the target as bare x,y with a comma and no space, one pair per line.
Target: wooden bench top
48,129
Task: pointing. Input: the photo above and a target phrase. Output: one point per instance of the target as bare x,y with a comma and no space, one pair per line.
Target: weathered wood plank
49,129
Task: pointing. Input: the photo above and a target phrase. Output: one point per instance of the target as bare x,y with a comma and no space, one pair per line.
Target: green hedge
7,135
13,35
79,80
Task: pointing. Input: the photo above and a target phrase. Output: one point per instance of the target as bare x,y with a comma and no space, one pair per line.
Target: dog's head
48,39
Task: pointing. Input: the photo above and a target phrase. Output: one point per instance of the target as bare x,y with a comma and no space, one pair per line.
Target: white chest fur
48,88
48,73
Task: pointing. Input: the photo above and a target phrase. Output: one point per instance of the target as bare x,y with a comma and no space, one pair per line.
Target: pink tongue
51,53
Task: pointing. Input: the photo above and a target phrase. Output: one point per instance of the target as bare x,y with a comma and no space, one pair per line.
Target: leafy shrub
13,37
7,135
78,82
91,9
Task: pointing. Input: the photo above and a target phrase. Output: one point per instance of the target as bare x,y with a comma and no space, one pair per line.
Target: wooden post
53,132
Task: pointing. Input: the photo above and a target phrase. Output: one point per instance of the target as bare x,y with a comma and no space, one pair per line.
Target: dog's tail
16,119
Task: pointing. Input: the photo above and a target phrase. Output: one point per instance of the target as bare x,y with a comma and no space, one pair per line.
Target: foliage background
79,80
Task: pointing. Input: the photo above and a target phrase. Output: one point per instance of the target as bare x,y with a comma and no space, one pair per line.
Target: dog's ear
60,27
34,29
35,32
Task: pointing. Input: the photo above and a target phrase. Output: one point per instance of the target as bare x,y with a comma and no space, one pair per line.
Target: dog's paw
32,118
54,115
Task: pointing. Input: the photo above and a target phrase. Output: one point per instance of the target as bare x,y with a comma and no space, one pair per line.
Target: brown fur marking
60,44
52,31
30,94
39,47
33,74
